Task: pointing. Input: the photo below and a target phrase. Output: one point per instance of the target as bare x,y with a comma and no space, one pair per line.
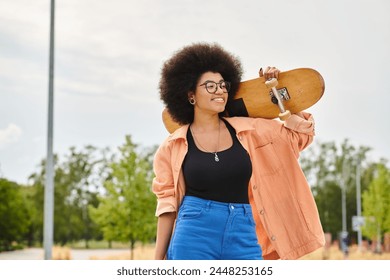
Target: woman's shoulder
180,133
248,123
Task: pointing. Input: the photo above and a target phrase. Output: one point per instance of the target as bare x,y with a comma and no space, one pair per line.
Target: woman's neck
204,123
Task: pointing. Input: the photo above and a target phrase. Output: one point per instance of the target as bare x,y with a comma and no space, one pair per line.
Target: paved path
76,254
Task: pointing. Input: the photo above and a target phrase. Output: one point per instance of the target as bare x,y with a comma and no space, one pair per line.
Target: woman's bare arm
164,231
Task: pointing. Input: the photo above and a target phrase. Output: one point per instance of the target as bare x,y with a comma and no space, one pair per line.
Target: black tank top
226,180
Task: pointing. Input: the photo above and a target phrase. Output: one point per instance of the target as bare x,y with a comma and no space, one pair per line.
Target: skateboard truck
272,83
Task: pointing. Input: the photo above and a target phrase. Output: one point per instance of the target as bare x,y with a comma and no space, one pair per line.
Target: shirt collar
181,132
238,123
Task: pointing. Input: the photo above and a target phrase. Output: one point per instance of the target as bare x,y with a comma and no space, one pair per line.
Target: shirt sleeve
300,131
163,183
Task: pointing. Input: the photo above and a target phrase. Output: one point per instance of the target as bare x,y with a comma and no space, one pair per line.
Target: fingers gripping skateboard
272,83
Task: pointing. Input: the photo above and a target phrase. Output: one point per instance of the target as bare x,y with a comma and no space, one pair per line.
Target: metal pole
343,207
344,233
343,197
48,226
358,203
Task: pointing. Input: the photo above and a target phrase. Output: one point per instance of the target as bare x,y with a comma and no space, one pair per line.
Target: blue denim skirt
211,230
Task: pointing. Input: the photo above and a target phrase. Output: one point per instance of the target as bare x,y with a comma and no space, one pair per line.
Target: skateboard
294,91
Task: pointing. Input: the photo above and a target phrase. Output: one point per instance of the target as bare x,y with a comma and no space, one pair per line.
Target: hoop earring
192,101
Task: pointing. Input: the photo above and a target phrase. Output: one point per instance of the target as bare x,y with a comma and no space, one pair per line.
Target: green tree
76,185
126,209
34,226
376,205
14,220
82,179
327,167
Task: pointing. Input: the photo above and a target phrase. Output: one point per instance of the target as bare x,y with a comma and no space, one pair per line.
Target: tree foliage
14,219
126,209
329,167
376,204
116,189
76,185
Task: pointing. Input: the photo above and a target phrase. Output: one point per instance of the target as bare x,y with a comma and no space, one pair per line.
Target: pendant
216,157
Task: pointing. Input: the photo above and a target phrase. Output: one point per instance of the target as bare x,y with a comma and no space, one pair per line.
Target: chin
220,110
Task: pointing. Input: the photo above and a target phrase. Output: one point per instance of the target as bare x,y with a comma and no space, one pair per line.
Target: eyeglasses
212,87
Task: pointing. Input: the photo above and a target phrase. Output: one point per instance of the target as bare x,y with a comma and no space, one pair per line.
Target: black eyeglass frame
225,88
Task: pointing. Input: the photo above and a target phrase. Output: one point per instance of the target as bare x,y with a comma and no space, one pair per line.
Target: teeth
219,99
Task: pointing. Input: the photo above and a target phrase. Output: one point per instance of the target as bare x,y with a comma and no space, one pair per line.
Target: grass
334,253
141,252
94,244
61,253
146,253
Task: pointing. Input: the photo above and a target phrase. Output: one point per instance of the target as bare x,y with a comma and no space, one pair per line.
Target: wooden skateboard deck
299,88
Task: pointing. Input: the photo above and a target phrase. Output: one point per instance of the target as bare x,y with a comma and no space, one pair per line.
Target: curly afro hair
182,71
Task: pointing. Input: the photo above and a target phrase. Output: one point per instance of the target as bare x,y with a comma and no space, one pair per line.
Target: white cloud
11,134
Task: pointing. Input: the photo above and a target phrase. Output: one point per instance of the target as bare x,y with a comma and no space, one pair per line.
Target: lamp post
343,196
358,202
48,226
344,232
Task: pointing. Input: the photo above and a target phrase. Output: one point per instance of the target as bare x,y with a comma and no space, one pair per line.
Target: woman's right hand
269,72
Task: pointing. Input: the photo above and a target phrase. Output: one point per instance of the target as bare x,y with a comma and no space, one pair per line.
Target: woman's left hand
269,72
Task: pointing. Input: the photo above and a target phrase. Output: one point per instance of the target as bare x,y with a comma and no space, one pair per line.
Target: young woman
229,188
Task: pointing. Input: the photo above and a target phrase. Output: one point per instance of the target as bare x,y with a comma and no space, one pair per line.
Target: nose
219,89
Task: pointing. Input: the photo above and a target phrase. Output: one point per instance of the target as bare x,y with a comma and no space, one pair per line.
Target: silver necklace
216,158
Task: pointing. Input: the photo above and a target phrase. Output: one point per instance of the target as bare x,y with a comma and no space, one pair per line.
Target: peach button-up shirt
286,216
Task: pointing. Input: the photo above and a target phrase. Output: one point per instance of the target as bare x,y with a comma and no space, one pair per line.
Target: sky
109,54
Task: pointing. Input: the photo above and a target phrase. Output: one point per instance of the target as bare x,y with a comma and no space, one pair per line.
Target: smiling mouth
219,99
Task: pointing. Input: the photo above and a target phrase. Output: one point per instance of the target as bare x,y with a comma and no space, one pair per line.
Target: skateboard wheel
271,83
274,100
285,115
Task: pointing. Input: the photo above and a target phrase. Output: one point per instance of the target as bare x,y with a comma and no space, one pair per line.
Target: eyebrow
222,80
